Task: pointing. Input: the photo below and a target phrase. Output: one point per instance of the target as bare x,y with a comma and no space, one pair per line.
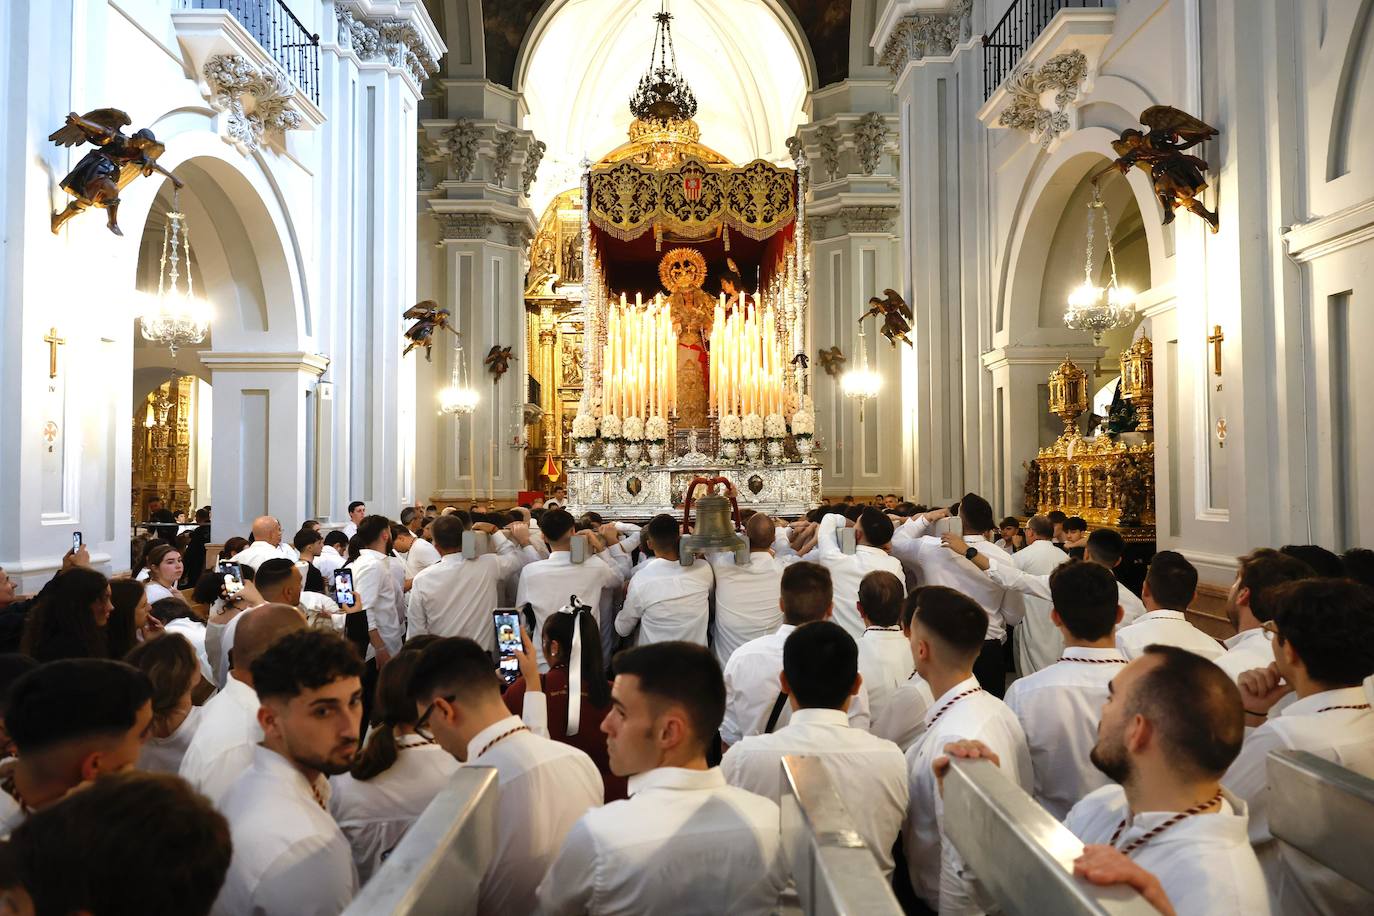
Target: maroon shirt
590,739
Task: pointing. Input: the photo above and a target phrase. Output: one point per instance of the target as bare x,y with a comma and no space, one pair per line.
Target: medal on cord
576,609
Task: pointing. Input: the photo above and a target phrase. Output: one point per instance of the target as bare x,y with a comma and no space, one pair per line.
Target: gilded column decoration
829,140
869,136
462,140
233,81
922,35
1064,74
505,149
533,156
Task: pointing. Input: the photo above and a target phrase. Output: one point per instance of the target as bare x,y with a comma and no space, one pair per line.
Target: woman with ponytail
394,777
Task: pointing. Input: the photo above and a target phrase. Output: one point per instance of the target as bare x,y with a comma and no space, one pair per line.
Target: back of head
115,828
1086,598
126,593
953,620
1263,570
259,628
976,514
336,539
806,593
559,628
1075,523
1105,546
556,525
1330,625
1194,707
233,547
64,618
1172,580
306,537
170,663
447,531
1041,525
74,699
1009,522
821,661
680,674
169,609
760,530
391,707
13,666
663,532
408,515
304,660
880,595
263,527
1359,565
877,527
1056,517
1323,562
272,574
371,528
455,666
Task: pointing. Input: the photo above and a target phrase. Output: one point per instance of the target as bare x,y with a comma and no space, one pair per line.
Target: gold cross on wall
1215,340
53,342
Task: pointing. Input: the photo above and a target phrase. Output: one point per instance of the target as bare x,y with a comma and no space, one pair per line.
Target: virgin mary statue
683,271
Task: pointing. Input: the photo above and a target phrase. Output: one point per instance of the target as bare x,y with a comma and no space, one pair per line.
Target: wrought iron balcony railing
281,35
1006,42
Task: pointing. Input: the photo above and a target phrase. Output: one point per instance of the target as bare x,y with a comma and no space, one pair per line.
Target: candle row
639,366
746,362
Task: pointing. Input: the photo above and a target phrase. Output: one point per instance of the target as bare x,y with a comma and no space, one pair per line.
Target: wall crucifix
1215,340
53,342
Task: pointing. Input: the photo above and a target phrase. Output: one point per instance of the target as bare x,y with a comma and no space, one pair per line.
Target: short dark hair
1041,525
355,504
74,699
821,661
1075,523
1261,571
1106,547
174,826
305,537
663,532
336,539
408,515
1010,521
1323,562
1086,597
1172,580
683,673
953,617
881,594
1056,517
877,527
976,513
273,572
555,524
1330,625
447,531
304,660
1195,707
455,665
371,528
1359,565
400,531
233,547
805,593
170,608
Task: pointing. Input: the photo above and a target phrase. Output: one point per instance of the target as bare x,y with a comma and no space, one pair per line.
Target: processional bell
715,530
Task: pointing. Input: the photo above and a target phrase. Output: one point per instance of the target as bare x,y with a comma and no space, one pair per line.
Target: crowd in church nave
254,732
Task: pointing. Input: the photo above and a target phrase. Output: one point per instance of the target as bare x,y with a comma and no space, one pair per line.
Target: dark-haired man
820,675
1171,726
332,556
1323,650
684,841
884,650
357,511
1058,706
547,584
308,542
1170,584
872,551
71,721
289,855
414,551
746,594
379,580
1322,561
545,785
1250,605
666,600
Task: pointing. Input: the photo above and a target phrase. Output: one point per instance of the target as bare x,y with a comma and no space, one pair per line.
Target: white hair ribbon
576,609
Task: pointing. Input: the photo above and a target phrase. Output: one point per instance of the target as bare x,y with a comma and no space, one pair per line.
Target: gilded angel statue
428,318
896,316
1176,176
104,171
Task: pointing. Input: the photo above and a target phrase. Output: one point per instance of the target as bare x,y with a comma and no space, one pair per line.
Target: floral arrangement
729,427
803,423
632,429
752,426
584,426
656,430
610,426
774,426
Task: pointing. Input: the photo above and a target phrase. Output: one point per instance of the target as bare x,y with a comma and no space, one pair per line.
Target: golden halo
689,266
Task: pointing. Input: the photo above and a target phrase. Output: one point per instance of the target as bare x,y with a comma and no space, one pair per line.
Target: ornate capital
505,150
462,140
468,226
829,140
868,219
928,34
396,41
517,234
533,156
869,136
1029,88
254,99
797,150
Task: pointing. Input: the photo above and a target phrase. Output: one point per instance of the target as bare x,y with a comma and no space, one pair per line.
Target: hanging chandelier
175,316
663,95
1095,308
459,399
861,383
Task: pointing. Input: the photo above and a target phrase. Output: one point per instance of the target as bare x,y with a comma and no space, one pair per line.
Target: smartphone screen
233,578
343,587
76,541
506,622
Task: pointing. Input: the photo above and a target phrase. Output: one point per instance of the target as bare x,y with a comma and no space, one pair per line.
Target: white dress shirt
1204,862
746,600
374,579
1037,639
545,786
1246,651
1345,737
683,842
847,571
259,552
1169,628
668,601
156,591
375,814
222,747
290,858
1059,708
421,555
934,564
193,631
885,663
350,529
328,563
548,584
456,596
868,773
1011,578
937,872
752,687
164,755
902,719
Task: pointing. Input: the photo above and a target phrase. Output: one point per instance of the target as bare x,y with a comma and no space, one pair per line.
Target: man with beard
1250,605
290,857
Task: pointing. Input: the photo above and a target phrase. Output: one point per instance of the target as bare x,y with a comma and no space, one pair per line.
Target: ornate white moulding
257,101
396,34
1040,97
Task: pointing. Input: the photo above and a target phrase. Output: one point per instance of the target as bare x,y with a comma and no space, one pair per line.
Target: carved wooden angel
428,317
896,316
832,361
1176,176
498,361
104,171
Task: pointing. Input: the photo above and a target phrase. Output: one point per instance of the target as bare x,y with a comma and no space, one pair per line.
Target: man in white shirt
1059,705
666,600
872,551
884,650
375,579
935,566
456,596
947,630
546,585
1249,606
290,857
1323,651
545,785
279,582
684,842
332,556
746,596
1170,585
357,511
753,700
1038,643
267,544
821,677
414,551
1171,727
223,744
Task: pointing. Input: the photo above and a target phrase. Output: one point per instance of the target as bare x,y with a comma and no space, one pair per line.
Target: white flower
729,427
803,423
752,426
584,426
610,426
633,429
656,430
774,426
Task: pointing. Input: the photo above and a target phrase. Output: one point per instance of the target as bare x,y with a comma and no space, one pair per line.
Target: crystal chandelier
861,382
1095,308
459,399
663,94
175,317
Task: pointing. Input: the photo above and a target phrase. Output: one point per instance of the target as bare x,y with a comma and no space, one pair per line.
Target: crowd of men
256,739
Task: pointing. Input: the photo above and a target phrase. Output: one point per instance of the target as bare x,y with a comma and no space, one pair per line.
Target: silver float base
638,494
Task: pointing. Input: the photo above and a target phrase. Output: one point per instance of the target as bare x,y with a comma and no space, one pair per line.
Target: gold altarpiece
162,432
